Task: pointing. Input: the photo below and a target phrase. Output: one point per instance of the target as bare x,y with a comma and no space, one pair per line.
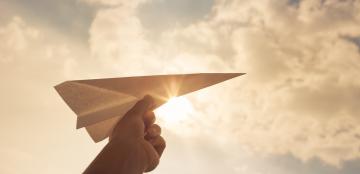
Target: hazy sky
295,112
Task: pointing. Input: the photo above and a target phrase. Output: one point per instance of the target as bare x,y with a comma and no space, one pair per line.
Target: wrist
120,157
131,153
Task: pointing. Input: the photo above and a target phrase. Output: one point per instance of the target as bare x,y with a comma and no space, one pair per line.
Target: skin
135,145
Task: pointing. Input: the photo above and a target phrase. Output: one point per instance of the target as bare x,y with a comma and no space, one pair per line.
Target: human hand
138,130
135,145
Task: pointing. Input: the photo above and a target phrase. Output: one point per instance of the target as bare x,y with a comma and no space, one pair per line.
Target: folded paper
100,103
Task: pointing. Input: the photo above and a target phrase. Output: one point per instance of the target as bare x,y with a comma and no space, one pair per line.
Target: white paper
100,103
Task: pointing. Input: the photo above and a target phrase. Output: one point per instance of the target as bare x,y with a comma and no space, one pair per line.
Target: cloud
303,73
15,36
128,4
300,94
32,61
159,15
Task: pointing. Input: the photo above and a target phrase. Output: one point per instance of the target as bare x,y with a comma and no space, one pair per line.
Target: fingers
154,138
141,107
132,124
159,144
153,131
149,119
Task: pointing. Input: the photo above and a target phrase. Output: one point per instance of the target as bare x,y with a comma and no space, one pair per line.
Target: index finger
141,107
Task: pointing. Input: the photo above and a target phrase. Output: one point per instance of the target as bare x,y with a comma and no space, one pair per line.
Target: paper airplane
101,103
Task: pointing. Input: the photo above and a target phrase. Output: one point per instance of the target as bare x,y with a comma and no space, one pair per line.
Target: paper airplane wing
101,103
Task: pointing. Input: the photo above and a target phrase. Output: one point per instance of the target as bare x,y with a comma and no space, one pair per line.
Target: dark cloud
355,40
70,17
160,15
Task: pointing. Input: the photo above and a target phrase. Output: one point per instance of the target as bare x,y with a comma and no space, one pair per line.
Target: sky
296,111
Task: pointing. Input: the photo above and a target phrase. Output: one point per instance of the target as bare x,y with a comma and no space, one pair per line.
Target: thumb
140,108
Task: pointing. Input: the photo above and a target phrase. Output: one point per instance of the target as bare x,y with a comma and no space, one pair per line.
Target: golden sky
295,112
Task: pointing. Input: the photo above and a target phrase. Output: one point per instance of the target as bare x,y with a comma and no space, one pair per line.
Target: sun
175,111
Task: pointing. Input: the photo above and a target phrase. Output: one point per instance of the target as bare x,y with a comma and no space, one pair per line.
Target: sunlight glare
176,110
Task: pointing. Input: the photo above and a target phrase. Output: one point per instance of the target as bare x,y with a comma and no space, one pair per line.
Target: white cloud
299,97
34,124
15,38
301,85
303,74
